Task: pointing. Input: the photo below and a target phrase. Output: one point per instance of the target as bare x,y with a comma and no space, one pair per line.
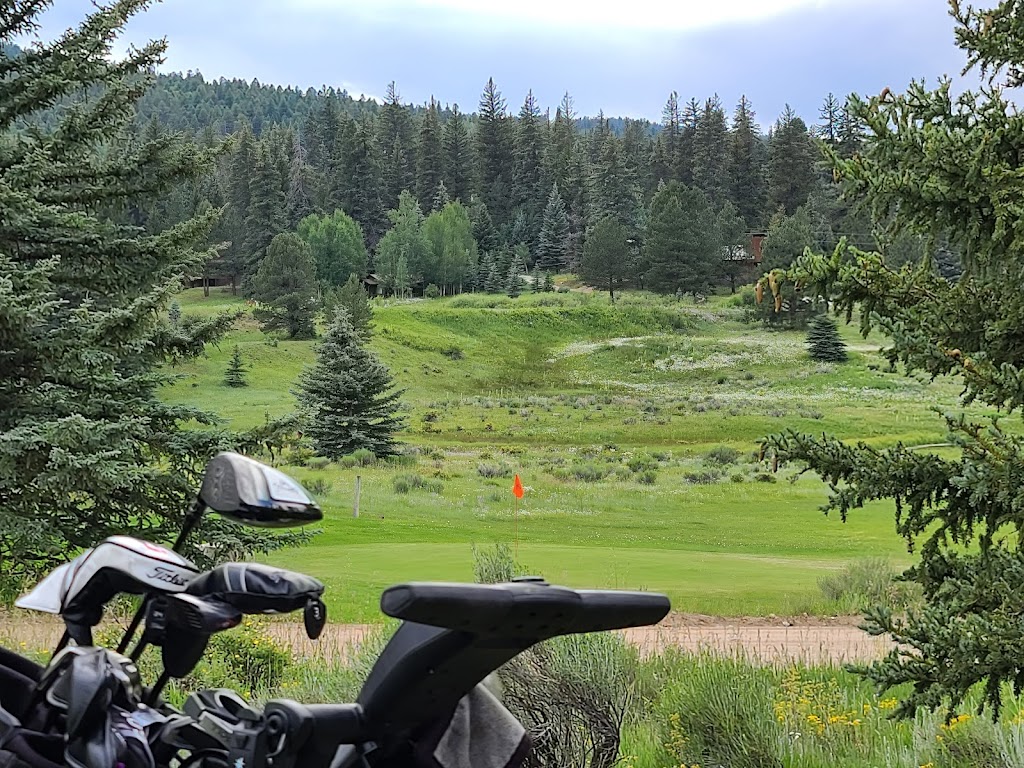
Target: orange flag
517,488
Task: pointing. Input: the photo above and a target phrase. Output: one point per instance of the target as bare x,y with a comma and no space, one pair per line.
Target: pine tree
671,141
352,298
174,313
549,283
514,277
491,282
429,158
234,376
790,162
285,287
484,233
266,215
554,234
365,193
239,197
88,448
347,398
824,342
298,200
604,256
930,157
441,198
536,281
682,247
611,194
396,139
711,154
458,158
831,115
494,155
527,190
747,164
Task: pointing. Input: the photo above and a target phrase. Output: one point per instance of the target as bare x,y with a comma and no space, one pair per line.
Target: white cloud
654,15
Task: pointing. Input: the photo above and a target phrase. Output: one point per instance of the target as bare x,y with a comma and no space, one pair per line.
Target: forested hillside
500,191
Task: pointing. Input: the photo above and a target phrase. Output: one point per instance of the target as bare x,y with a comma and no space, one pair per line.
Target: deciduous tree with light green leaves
336,244
939,163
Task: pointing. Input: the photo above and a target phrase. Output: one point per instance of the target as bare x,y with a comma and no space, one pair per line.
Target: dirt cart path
767,640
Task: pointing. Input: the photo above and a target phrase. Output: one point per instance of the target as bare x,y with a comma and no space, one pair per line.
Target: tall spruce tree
791,160
711,173
266,215
458,158
365,191
747,164
935,161
429,157
347,399
527,185
494,155
552,250
396,141
88,448
299,198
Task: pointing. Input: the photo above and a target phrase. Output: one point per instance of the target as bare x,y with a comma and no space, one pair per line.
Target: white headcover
155,568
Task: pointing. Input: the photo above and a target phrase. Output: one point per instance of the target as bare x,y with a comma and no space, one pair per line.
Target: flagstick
517,528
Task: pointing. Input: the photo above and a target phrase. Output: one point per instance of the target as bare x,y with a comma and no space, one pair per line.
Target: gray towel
480,734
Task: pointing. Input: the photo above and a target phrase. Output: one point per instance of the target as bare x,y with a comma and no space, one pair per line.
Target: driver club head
251,493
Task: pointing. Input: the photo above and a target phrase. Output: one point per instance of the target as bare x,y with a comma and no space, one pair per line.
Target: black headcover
256,588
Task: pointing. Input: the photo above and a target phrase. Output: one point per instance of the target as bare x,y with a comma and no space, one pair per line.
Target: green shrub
869,582
702,476
718,712
317,486
647,477
364,457
431,291
409,482
495,565
491,470
722,455
642,462
588,473
319,462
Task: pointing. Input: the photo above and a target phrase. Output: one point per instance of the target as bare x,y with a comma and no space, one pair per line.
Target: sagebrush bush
492,470
722,455
869,582
410,482
317,486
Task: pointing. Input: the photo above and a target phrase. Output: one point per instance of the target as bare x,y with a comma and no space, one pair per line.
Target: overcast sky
620,56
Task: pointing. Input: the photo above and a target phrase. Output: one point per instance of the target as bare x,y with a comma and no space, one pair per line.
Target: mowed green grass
559,388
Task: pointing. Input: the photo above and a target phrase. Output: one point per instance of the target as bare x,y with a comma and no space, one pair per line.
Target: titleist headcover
257,588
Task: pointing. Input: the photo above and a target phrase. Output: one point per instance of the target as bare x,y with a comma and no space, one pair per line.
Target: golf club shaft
195,511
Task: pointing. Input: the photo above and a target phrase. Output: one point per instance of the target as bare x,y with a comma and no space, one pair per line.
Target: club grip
523,608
